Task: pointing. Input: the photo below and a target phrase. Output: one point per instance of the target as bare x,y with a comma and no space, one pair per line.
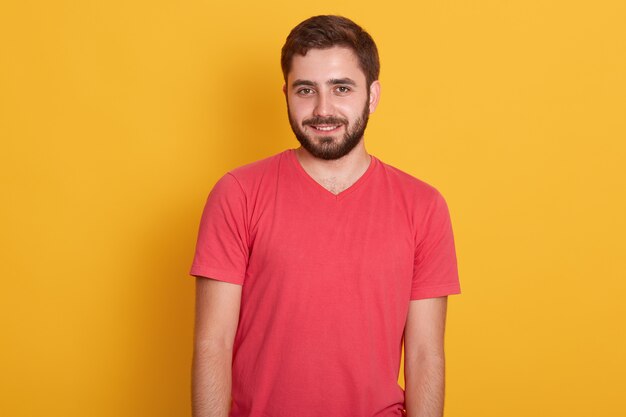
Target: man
315,264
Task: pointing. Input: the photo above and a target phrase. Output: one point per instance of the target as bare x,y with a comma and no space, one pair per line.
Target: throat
335,176
334,185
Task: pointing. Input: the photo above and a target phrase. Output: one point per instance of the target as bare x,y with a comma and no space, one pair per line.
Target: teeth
325,128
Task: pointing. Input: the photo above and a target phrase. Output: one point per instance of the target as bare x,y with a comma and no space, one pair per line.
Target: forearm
425,386
211,381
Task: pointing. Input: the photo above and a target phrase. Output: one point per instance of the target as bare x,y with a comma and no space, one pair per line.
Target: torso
326,293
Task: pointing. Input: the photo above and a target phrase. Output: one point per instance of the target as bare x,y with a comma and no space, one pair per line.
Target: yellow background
117,117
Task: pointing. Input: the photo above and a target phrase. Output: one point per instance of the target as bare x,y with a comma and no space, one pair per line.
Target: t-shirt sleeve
435,272
222,244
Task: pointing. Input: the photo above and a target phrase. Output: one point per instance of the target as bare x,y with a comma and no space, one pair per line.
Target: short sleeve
222,244
435,272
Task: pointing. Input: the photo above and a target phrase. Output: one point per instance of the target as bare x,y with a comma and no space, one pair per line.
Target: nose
323,105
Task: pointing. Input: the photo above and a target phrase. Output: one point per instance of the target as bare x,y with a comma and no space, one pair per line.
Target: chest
318,242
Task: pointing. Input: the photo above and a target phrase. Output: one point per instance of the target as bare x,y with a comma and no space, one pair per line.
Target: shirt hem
433,292
217,274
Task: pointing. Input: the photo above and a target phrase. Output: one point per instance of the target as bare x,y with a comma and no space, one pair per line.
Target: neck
338,174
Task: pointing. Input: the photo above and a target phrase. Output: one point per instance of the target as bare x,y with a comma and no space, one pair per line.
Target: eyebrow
298,83
332,81
335,81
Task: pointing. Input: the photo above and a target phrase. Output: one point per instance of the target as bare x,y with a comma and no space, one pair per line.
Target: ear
374,95
285,89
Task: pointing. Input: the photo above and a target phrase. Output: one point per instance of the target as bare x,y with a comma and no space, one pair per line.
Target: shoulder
250,175
407,185
238,189
245,178
425,205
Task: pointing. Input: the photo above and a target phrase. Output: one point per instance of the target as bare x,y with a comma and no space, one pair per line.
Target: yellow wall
117,117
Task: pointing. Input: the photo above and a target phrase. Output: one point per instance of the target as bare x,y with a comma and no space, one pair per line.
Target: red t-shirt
327,281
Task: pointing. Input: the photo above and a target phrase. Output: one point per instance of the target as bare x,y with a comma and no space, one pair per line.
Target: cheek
351,112
353,107
299,111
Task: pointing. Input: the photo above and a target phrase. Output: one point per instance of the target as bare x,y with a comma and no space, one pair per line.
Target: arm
424,359
217,317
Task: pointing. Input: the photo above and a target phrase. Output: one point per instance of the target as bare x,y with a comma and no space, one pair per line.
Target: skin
424,358
329,84
216,320
318,93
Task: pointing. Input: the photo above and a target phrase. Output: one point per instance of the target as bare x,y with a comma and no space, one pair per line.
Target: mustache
330,120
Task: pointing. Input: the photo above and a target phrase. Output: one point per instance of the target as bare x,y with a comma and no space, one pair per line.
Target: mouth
326,128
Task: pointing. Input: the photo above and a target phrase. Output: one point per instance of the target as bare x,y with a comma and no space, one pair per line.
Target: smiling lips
325,128
325,124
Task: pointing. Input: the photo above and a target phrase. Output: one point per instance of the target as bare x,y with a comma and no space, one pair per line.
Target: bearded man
315,265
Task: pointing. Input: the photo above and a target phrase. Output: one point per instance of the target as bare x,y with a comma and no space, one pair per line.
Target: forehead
320,65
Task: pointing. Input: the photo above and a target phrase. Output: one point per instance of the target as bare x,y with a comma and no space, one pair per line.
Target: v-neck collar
291,154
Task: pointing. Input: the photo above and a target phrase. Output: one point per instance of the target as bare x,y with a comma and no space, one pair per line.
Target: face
328,101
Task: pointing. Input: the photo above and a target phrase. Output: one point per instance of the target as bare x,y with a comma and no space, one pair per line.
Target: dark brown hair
322,32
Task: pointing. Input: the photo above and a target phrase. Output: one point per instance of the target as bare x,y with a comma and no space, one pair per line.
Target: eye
342,89
304,92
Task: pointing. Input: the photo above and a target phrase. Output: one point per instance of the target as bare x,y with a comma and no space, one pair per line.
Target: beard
328,147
